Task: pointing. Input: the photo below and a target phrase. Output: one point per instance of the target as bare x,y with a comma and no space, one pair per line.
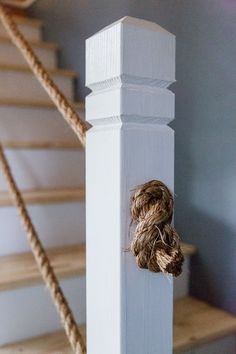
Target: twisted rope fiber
156,244
42,260
60,101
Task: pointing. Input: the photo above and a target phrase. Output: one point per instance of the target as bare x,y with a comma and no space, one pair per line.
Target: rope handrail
42,75
42,260
78,125
155,244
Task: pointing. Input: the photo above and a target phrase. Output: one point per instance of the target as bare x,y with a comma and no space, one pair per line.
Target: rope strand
42,260
78,125
43,76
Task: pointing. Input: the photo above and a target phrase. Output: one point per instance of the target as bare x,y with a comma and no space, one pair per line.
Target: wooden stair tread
34,22
51,343
195,323
37,44
68,261
41,145
188,249
46,196
36,104
19,68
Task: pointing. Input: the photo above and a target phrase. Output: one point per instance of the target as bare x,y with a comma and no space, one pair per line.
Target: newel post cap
131,50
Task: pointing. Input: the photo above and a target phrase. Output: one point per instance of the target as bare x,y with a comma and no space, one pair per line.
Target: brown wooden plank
37,44
36,104
67,261
52,343
34,22
60,72
196,322
41,145
46,196
188,249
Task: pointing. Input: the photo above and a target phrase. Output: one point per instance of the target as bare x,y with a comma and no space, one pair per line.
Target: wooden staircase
48,163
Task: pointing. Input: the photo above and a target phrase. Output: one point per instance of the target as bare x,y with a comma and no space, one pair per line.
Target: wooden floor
195,323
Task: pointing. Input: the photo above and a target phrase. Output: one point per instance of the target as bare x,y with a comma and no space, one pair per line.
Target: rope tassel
156,244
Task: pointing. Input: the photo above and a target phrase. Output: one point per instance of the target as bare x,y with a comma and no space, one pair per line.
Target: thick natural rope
42,260
156,243
59,99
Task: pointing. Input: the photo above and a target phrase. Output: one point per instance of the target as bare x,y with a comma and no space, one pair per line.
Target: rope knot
156,243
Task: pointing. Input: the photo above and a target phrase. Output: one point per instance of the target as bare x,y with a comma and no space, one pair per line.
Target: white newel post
129,66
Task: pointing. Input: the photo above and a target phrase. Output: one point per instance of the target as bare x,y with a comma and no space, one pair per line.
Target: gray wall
205,122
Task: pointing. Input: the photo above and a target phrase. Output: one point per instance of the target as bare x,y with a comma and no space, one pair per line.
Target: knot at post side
156,244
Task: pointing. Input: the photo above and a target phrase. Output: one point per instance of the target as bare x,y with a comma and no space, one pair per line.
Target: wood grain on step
46,196
59,72
188,249
19,270
34,22
41,145
35,104
48,344
196,322
37,44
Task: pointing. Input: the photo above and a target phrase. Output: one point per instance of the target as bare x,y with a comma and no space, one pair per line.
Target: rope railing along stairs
43,76
78,125
42,260
156,243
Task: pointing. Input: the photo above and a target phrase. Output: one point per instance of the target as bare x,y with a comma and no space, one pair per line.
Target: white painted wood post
129,66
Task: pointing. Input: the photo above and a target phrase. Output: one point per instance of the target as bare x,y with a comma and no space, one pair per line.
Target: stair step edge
19,68
197,322
37,44
46,196
68,261
192,311
28,145
30,21
36,104
49,343
188,249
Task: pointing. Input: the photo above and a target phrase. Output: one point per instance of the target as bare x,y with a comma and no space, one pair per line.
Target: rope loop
156,244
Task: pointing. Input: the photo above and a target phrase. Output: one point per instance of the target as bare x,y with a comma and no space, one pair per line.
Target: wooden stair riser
57,225
10,55
35,169
29,30
29,311
37,124
23,85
